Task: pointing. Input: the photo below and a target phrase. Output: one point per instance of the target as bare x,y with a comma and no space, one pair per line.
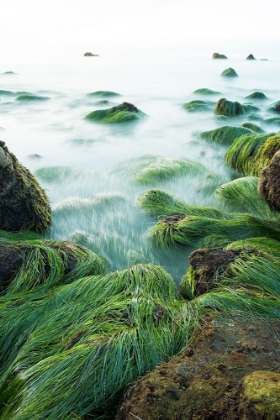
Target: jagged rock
23,203
217,55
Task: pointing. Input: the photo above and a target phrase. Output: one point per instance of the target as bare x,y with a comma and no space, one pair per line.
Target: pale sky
118,24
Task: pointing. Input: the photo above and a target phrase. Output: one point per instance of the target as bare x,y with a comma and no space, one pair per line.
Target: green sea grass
225,135
122,113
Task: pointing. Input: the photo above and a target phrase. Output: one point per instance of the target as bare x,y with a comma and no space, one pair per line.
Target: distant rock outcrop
217,55
89,54
250,57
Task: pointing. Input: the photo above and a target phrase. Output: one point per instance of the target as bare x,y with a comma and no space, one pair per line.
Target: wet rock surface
214,376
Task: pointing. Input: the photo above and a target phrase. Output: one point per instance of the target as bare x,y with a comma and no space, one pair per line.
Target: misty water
91,169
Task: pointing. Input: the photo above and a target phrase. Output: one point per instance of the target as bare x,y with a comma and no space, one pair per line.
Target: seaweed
253,127
122,113
198,105
228,108
256,95
206,91
225,135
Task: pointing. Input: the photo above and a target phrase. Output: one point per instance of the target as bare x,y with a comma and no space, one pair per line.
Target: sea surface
90,169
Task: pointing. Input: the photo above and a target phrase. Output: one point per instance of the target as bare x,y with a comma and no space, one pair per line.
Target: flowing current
89,170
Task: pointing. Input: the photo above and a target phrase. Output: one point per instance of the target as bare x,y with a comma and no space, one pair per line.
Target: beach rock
122,113
215,377
217,55
250,57
269,185
256,95
230,72
23,204
228,108
89,54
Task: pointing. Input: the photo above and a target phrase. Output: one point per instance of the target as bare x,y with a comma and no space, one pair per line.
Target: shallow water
94,197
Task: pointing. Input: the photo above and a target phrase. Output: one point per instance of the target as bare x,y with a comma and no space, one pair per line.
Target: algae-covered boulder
272,121
103,94
225,135
250,57
24,204
89,54
275,107
230,72
269,186
199,106
253,127
228,108
31,98
206,91
209,378
122,113
219,56
256,95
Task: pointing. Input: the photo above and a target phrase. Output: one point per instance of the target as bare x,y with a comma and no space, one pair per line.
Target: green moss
103,94
228,108
224,135
119,114
253,127
29,98
54,173
199,106
230,72
256,95
246,155
206,91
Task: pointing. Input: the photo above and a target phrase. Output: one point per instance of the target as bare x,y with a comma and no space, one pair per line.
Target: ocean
89,170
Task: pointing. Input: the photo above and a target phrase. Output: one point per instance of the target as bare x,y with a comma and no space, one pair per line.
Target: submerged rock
103,94
217,55
275,107
230,72
206,91
256,95
215,377
269,186
23,204
228,108
253,127
26,98
89,54
199,106
250,57
122,113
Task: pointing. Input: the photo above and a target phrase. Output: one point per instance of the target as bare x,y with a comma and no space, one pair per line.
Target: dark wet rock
228,108
219,56
250,57
89,54
215,377
269,185
256,95
24,204
230,72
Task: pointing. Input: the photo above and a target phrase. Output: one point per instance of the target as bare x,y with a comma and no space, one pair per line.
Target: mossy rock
31,98
256,95
219,56
103,94
254,117
250,57
228,108
272,121
122,113
24,204
199,106
225,135
206,91
275,107
6,93
249,155
253,127
250,108
269,186
103,102
260,395
54,173
230,72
